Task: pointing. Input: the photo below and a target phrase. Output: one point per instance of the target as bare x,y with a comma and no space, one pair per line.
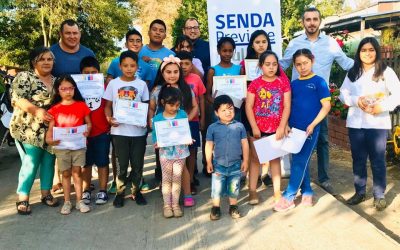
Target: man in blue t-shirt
154,52
134,42
69,52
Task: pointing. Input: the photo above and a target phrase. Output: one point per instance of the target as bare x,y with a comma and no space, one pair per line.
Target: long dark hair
264,55
357,70
183,87
181,40
251,53
169,95
57,98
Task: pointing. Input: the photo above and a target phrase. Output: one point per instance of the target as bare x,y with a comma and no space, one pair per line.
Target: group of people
178,83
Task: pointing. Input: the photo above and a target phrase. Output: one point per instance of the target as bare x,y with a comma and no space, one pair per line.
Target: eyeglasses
192,28
65,89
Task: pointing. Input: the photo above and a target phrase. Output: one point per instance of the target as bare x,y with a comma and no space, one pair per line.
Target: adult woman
31,94
371,90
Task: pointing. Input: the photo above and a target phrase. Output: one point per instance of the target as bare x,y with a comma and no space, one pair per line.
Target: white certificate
70,138
252,69
91,87
131,112
233,86
173,132
268,148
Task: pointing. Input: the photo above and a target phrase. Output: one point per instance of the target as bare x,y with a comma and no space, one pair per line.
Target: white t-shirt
135,90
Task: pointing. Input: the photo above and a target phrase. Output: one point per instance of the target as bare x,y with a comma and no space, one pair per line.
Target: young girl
171,73
172,158
310,104
183,43
371,90
69,110
267,110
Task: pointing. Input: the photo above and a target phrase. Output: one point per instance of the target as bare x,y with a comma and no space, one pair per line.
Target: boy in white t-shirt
129,140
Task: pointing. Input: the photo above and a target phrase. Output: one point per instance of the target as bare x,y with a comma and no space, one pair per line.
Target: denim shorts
225,181
98,149
195,131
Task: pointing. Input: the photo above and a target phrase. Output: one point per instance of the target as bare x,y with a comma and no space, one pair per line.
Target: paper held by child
236,101
268,148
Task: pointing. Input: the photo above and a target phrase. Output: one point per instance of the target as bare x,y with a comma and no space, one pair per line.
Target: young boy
133,42
129,140
98,147
228,139
197,86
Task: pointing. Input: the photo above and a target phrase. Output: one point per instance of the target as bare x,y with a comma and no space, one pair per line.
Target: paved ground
328,225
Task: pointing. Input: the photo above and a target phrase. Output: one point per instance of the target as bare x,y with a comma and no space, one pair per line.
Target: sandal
50,201
26,205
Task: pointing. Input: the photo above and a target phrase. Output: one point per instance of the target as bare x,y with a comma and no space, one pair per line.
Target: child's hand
210,168
51,142
287,130
113,122
280,132
86,134
256,133
155,145
362,103
244,166
310,129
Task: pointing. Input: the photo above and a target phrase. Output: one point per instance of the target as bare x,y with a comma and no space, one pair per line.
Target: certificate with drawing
173,132
71,138
91,87
233,86
131,112
268,148
252,69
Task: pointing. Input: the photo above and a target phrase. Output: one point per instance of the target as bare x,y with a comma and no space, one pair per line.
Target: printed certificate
70,138
91,87
173,132
252,69
131,112
233,86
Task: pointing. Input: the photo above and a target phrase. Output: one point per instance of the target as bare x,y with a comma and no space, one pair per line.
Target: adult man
325,50
201,48
68,51
154,52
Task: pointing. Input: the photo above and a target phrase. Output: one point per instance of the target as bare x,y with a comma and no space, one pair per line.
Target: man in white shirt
325,50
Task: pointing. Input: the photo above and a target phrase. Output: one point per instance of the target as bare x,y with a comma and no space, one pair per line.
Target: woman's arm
326,106
282,128
209,85
250,115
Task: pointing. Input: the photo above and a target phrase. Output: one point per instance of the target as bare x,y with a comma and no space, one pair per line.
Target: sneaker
253,198
193,188
86,197
188,201
234,212
307,200
356,199
380,203
118,201
267,181
81,206
327,186
167,211
177,211
144,186
283,205
112,189
66,208
140,200
215,213
101,197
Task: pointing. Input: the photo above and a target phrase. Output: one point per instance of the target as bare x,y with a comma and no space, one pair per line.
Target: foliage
337,107
191,8
27,24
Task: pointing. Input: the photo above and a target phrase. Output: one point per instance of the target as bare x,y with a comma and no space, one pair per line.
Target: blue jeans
225,181
369,143
323,151
300,169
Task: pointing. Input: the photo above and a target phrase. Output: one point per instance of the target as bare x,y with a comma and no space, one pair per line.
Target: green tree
27,24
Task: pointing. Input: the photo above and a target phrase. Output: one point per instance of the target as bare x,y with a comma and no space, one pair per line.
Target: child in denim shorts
226,141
